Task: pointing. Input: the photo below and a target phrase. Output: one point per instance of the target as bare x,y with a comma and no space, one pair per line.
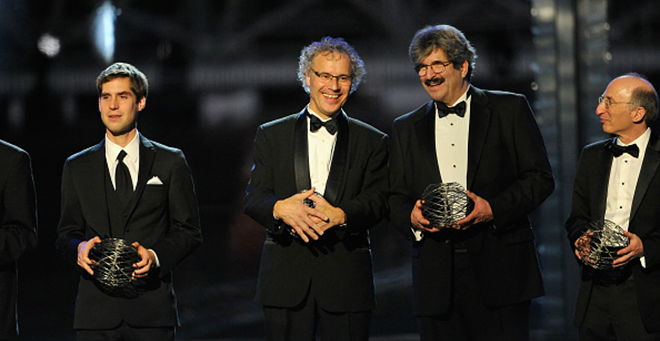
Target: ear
307,78
142,103
638,115
464,68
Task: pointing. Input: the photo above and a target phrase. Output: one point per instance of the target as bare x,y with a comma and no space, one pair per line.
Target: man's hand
147,261
583,245
481,213
293,212
336,215
634,250
418,221
83,254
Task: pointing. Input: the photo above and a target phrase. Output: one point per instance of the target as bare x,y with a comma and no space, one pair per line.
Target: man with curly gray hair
318,184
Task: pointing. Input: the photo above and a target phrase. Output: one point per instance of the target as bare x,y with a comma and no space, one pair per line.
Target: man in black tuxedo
18,232
473,280
618,179
316,261
135,189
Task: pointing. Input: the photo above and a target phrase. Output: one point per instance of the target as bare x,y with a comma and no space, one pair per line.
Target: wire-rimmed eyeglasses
608,101
325,77
437,67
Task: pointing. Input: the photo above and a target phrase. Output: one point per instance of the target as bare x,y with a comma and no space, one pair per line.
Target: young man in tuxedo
318,184
135,189
618,179
473,280
18,232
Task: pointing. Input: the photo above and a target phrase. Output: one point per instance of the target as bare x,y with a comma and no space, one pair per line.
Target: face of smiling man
119,109
447,86
327,98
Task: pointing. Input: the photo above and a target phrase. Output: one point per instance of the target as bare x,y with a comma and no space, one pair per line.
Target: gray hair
329,44
447,38
645,98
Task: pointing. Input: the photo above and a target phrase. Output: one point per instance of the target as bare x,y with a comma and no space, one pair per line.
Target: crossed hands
142,267
305,221
481,213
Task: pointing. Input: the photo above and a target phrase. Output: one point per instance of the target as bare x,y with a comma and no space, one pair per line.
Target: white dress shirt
131,160
451,147
623,181
321,147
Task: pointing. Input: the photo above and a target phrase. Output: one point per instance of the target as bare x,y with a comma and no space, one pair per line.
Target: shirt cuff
419,235
155,256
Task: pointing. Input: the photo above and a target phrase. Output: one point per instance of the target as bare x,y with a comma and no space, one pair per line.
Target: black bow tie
617,150
443,110
315,124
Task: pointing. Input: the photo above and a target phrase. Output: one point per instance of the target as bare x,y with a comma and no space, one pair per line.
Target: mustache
434,81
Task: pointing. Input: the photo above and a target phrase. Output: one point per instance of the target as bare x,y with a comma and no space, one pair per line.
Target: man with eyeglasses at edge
474,279
318,184
618,179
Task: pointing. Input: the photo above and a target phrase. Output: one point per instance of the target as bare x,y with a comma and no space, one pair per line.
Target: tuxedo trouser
127,333
613,314
299,323
469,319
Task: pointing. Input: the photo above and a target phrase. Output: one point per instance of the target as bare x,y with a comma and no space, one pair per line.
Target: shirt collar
132,149
642,141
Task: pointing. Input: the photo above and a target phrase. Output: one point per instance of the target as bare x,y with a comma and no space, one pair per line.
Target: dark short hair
329,45
447,38
139,82
645,98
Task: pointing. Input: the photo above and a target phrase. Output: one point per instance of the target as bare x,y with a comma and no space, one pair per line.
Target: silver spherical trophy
445,203
113,267
598,246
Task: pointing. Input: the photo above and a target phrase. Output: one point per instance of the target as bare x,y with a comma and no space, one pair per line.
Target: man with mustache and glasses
318,184
473,279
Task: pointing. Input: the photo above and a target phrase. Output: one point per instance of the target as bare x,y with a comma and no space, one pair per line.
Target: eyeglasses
608,101
437,67
325,77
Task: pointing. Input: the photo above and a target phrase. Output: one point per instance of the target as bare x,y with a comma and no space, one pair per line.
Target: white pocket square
154,181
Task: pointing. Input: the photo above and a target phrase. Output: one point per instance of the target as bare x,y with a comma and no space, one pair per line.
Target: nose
114,103
600,109
334,83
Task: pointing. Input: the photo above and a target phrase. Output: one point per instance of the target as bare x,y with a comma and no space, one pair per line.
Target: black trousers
613,314
300,323
469,319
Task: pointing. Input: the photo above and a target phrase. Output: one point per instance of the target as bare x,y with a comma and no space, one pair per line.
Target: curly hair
325,45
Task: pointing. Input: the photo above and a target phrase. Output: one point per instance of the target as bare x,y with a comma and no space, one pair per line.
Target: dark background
218,69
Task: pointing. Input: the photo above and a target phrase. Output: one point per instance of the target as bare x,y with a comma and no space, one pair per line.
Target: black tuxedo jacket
507,166
18,231
338,266
163,217
589,202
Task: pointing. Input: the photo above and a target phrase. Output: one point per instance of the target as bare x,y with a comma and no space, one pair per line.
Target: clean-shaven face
327,98
119,107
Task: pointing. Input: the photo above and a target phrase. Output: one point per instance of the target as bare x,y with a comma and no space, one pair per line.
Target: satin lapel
338,168
95,196
300,158
425,131
480,117
602,179
649,169
147,156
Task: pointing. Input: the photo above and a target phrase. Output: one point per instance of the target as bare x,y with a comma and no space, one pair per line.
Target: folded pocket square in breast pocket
154,181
